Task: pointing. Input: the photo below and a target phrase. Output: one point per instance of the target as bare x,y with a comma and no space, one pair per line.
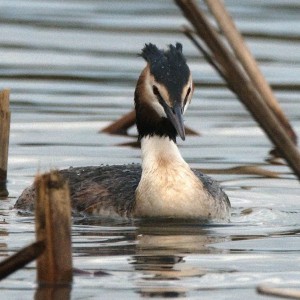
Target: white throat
158,152
168,187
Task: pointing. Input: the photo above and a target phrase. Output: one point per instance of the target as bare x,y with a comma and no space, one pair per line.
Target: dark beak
175,116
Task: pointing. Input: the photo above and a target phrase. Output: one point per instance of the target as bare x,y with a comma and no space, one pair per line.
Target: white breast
168,186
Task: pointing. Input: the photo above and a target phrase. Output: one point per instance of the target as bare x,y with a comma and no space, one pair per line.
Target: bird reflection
159,250
160,255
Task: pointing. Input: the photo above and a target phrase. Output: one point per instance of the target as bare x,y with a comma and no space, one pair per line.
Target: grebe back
164,185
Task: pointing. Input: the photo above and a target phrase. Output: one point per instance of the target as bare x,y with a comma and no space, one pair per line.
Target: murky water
72,67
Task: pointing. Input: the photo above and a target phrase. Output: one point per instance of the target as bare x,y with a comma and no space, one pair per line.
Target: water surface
72,68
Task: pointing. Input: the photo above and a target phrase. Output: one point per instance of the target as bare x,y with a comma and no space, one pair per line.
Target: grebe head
163,93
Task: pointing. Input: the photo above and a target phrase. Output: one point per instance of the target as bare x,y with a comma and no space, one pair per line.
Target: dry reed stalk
21,258
279,292
4,139
53,225
121,125
244,55
242,85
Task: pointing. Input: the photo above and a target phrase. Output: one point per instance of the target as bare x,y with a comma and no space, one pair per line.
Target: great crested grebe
164,185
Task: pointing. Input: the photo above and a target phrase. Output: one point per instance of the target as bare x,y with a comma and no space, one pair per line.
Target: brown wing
97,190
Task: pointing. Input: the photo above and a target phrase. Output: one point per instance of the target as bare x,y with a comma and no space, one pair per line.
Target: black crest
168,67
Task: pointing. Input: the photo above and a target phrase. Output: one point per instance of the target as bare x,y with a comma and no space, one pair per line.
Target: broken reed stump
121,125
4,140
21,258
241,84
53,248
53,225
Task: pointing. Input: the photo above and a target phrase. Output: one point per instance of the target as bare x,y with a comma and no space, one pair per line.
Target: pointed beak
176,118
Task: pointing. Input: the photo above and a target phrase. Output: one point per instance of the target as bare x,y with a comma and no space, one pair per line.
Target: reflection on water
72,68
155,249
49,293
161,251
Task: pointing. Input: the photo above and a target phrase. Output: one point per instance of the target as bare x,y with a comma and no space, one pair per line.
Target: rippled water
72,68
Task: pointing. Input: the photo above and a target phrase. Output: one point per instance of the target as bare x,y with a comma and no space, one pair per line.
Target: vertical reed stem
53,223
4,139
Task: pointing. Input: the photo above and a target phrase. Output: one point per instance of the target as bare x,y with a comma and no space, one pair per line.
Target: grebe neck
160,152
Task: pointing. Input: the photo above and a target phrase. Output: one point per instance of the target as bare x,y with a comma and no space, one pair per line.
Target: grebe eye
186,97
155,90
188,92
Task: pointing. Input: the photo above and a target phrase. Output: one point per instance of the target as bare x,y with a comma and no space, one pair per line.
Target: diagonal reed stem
242,85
